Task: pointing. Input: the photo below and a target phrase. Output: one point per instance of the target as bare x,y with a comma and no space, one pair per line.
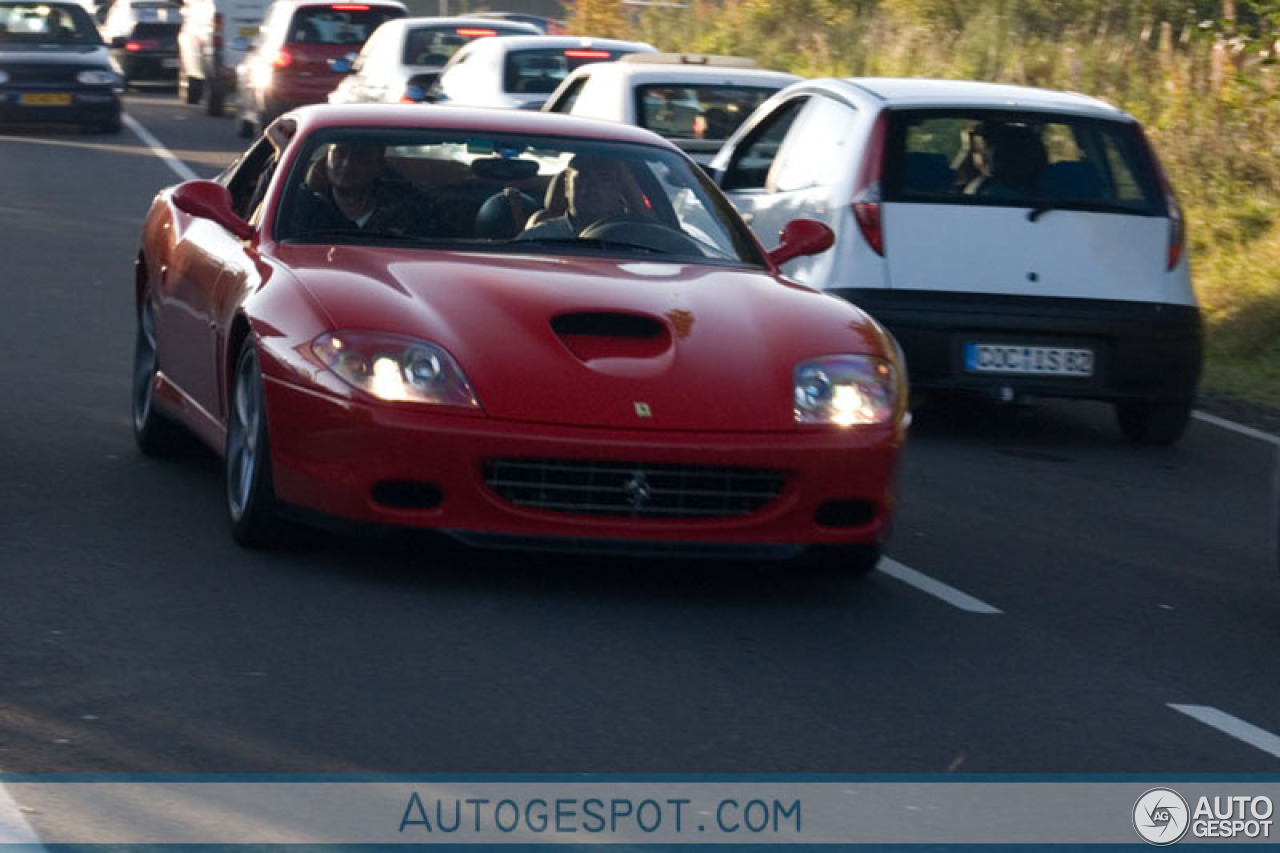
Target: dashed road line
1237,428
1233,726
936,588
157,148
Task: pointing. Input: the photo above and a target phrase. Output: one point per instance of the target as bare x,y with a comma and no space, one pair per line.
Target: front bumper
98,105
1142,351
335,458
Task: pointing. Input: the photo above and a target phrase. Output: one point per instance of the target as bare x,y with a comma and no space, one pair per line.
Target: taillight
349,7
132,46
587,54
1177,227
867,208
217,31
282,59
475,32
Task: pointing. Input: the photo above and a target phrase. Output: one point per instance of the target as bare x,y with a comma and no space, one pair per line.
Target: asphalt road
1108,584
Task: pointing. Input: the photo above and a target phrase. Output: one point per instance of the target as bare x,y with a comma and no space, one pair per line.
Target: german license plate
1015,360
46,99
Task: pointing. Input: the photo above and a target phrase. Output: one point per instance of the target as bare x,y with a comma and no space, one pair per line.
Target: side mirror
342,65
212,201
801,237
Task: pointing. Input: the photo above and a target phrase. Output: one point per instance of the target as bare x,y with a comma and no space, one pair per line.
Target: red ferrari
520,329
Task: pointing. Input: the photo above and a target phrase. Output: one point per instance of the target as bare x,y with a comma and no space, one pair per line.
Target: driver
595,189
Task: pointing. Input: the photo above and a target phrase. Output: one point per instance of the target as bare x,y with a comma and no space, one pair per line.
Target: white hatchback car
694,100
1016,241
520,72
404,57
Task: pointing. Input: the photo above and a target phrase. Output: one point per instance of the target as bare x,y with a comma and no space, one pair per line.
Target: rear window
437,45
540,71
42,23
1019,159
163,32
697,112
340,23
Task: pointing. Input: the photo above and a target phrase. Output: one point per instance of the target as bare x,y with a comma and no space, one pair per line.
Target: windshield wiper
1092,206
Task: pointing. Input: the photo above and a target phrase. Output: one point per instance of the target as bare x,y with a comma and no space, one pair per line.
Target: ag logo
1161,816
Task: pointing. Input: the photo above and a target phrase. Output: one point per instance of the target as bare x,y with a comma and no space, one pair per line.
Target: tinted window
540,71
437,45
754,157
42,23
338,24
1019,159
697,112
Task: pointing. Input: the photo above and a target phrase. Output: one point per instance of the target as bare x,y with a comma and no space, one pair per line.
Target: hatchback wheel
251,503
1146,422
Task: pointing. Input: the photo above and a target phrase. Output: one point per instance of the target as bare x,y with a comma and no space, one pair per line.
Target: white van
216,36
1016,241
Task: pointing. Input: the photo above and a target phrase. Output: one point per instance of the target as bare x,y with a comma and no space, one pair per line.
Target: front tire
155,434
251,503
1147,422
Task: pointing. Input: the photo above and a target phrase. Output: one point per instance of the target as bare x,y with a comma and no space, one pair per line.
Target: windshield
45,23
508,193
1020,159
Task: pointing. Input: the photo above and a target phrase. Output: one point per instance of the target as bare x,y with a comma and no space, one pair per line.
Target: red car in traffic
484,348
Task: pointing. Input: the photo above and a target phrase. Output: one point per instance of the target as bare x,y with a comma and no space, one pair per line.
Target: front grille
47,74
632,489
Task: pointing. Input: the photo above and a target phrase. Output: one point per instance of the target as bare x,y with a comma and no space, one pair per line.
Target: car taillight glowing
867,209
132,46
475,33
349,7
587,54
282,59
1177,227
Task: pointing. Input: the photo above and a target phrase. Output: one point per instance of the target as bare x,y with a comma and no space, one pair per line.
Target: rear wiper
1092,206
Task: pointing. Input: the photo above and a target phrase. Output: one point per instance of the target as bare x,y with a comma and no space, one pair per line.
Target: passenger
595,188
1009,160
352,188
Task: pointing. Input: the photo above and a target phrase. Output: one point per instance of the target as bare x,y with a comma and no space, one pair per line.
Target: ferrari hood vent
595,335
603,324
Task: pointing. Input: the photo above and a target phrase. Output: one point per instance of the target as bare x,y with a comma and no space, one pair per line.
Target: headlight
395,368
845,390
98,78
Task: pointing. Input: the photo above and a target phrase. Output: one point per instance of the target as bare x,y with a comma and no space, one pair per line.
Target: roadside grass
1210,103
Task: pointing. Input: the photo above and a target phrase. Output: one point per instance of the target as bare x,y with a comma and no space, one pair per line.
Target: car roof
678,73
532,42
480,119
923,92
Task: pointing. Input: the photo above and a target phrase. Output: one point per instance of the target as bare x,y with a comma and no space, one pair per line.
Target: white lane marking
936,588
157,147
1235,427
1234,726
14,828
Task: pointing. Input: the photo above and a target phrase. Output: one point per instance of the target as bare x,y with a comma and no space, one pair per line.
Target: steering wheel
642,231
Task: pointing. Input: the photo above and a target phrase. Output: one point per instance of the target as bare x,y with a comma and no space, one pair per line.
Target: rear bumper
1142,351
334,458
149,66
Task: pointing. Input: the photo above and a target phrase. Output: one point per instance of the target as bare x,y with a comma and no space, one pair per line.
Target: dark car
143,37
54,67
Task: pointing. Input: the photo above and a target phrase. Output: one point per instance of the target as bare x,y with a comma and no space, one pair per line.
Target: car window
509,193
1027,159
755,154
45,23
248,177
816,145
338,24
691,111
437,45
541,70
